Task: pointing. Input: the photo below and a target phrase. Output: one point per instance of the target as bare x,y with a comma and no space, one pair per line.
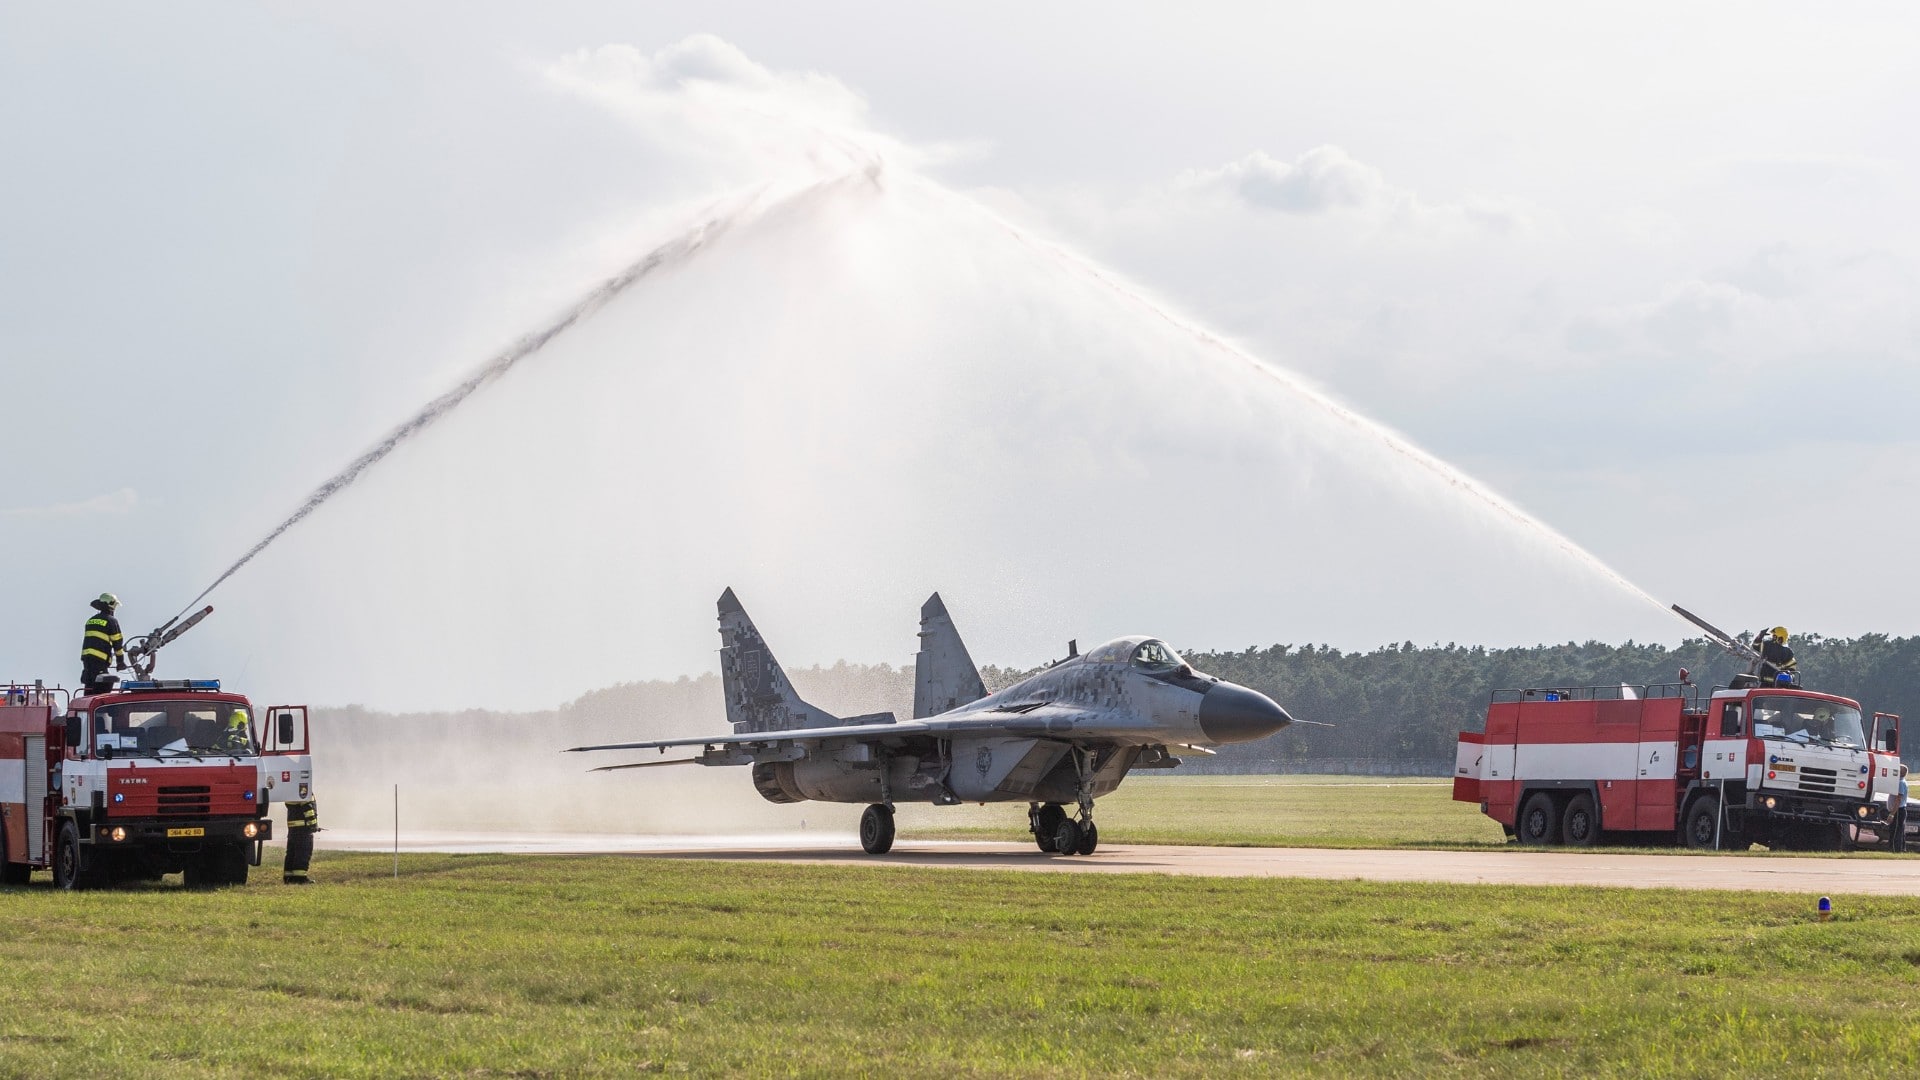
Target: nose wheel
1054,831
1044,821
1076,837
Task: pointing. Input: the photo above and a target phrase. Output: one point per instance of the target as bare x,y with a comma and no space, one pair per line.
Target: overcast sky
1648,272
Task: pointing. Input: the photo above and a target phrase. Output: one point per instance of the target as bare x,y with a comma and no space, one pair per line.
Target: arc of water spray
1393,440
671,253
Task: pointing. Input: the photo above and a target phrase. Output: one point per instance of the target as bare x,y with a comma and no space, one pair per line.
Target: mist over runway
1739,873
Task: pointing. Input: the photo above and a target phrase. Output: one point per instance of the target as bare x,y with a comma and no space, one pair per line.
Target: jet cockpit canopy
1145,653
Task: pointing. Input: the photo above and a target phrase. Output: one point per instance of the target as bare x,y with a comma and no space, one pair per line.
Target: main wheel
67,866
229,865
1046,821
876,829
11,873
1089,838
1539,822
1703,822
1066,836
1580,825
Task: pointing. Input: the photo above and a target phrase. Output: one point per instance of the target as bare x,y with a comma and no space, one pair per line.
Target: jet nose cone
1231,713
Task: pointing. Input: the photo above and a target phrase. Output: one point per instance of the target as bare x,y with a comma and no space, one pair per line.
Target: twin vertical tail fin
944,675
759,697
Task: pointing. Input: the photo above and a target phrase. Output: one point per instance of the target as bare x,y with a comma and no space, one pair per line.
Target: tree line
1397,708
1407,703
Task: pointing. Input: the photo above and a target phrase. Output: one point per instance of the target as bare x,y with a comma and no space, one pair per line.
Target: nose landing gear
1053,830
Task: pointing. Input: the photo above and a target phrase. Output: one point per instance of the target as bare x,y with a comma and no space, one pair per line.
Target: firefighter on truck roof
102,643
1776,658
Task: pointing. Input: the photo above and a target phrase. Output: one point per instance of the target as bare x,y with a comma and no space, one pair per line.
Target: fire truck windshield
155,727
1808,720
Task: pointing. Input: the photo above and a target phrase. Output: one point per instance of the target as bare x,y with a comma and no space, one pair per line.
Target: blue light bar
171,684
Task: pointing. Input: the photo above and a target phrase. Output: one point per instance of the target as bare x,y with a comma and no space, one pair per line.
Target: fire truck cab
1752,763
150,779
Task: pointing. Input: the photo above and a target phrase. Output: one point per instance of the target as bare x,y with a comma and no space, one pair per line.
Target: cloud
1327,179
1324,178
113,503
703,97
1688,316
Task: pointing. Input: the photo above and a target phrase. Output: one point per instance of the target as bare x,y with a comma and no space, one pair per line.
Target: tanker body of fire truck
1749,763
150,778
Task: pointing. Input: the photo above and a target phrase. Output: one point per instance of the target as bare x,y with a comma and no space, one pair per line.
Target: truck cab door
1723,752
1884,725
285,755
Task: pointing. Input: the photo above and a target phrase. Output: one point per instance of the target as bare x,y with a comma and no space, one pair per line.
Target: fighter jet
1068,734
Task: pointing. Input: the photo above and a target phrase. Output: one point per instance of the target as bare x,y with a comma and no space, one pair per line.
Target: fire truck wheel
1703,822
230,865
1581,825
11,873
876,829
1539,820
1046,822
67,872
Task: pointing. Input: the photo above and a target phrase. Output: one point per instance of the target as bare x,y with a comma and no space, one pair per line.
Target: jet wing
816,734
1048,719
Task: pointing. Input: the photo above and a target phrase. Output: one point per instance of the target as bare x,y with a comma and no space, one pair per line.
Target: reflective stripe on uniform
106,632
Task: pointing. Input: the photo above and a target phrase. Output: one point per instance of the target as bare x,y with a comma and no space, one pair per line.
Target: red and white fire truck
149,779
1749,763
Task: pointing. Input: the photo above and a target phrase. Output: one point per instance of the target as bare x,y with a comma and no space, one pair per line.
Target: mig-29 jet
1068,734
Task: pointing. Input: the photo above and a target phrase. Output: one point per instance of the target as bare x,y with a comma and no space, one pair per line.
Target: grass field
551,966
1242,811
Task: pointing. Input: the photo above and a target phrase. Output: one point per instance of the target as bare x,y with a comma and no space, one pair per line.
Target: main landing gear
876,829
876,824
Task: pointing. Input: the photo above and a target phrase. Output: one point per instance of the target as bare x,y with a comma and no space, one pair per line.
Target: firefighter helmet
1779,633
109,600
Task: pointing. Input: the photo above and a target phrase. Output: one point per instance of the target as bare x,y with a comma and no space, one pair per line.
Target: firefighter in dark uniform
1775,658
101,646
303,820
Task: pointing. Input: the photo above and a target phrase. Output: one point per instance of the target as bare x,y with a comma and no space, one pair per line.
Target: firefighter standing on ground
102,644
303,820
1775,657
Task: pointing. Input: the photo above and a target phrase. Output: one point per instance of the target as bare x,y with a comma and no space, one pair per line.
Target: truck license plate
171,833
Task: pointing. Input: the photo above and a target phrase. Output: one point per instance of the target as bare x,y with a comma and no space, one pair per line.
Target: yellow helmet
109,600
238,718
1779,633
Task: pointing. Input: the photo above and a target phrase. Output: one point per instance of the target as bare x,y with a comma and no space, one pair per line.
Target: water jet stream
667,255
1399,444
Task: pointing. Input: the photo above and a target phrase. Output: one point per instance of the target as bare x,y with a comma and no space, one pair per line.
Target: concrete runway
1821,876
